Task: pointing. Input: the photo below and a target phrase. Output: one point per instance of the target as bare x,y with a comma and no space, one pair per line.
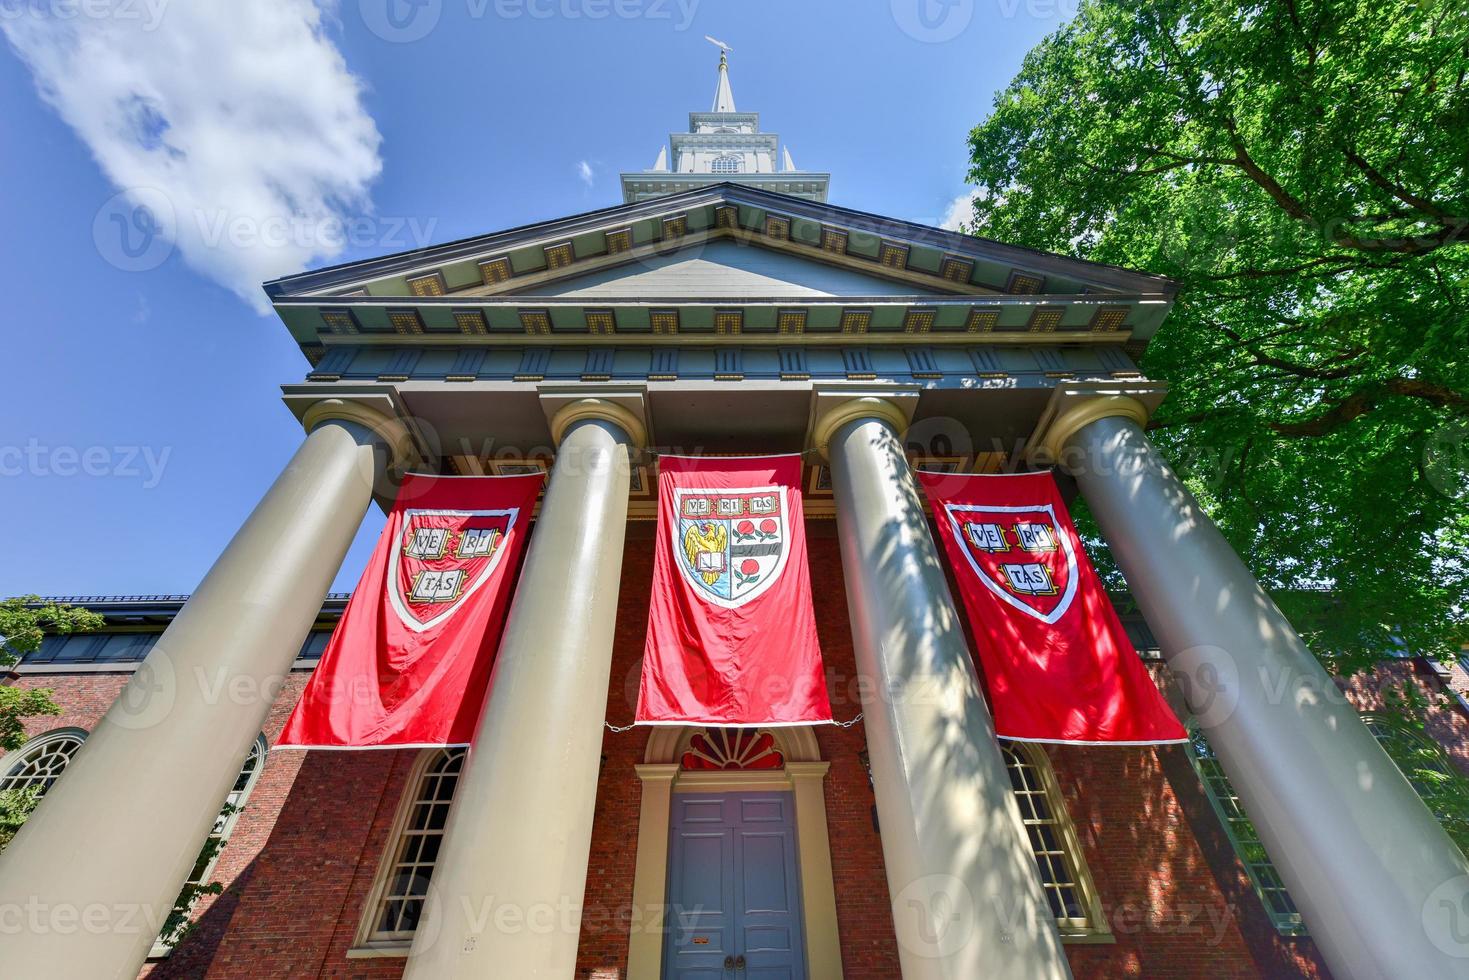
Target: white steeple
721,145
723,97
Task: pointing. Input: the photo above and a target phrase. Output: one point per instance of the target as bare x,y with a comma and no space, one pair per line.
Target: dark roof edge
939,237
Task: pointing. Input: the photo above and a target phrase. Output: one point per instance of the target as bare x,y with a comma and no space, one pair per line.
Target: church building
725,307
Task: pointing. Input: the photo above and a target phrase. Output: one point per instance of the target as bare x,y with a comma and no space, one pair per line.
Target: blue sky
140,417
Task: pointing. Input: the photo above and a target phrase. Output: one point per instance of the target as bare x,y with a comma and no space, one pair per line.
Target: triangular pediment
705,258
726,269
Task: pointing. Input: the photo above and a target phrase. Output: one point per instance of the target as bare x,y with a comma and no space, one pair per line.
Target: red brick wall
306,848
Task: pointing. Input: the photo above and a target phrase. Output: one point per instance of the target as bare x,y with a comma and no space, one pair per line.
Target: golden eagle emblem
704,545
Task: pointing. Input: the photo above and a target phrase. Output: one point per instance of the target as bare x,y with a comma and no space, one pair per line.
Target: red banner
731,632
410,662
1056,661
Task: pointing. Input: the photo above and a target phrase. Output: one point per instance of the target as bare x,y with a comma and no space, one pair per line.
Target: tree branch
1364,400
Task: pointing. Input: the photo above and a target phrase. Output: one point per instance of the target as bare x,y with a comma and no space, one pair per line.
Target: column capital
391,429
599,408
830,418
807,770
656,772
1074,405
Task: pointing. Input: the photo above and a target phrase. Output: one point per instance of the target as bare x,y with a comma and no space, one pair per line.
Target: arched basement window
1068,885
727,163
41,761
1242,834
397,898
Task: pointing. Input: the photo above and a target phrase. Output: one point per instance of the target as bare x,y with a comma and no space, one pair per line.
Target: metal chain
619,729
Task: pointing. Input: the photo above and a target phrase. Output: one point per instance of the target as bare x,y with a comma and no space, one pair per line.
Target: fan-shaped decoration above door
732,748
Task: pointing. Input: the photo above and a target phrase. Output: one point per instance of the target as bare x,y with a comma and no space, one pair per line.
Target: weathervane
724,49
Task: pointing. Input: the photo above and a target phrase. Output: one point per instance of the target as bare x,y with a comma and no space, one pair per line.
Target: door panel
733,888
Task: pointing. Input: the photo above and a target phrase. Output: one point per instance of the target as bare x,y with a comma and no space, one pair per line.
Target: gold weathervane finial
724,49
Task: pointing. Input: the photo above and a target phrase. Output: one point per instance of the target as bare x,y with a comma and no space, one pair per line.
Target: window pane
407,879
1242,834
1057,866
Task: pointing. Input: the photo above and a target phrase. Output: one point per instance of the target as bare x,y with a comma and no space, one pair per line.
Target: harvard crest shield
1020,554
441,558
732,544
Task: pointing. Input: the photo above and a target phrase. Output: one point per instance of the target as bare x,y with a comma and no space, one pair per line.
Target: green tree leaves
1302,169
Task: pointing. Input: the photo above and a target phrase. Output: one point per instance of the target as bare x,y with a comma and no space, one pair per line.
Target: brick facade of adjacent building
304,853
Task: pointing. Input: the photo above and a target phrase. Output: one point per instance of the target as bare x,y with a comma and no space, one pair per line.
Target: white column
87,882
506,896
967,898
1381,887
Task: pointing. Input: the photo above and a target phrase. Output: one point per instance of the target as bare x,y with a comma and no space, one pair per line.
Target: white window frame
1091,926
22,755
224,825
368,942
738,160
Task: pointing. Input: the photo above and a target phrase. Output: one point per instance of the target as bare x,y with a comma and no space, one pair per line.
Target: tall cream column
86,884
506,896
966,896
1379,884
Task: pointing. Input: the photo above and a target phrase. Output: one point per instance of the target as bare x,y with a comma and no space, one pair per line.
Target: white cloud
960,211
584,171
241,119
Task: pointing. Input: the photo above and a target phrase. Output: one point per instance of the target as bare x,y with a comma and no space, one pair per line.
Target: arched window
1242,834
727,163
1068,885
1423,761
203,871
41,760
229,813
396,901
732,748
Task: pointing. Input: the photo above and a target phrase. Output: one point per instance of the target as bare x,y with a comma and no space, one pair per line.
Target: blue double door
734,889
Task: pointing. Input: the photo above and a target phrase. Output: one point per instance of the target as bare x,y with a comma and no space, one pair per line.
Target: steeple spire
723,97
723,145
